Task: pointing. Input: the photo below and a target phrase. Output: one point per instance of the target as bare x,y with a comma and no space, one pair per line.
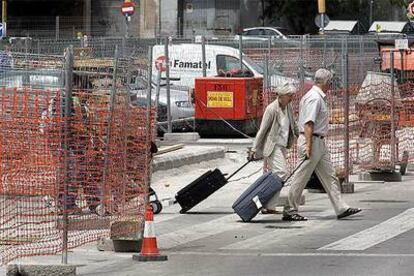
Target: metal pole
87,17
402,65
266,73
158,88
109,128
269,54
149,133
167,75
57,27
241,51
159,17
127,18
67,115
203,55
371,5
301,66
392,112
324,51
345,64
263,12
322,23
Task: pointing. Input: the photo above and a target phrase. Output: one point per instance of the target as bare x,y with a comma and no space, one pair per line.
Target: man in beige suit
313,126
276,134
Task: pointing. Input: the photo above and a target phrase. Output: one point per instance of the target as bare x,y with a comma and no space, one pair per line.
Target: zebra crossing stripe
377,234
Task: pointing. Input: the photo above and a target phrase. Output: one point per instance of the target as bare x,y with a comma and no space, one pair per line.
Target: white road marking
379,233
199,231
251,254
263,241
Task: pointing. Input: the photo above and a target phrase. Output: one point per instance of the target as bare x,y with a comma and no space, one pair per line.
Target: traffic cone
149,249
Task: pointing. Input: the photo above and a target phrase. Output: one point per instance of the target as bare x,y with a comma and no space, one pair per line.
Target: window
255,32
284,31
270,33
227,63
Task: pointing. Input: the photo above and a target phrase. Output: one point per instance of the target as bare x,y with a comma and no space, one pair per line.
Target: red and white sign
128,8
160,64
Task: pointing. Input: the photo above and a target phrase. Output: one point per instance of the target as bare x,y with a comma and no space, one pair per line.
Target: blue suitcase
258,195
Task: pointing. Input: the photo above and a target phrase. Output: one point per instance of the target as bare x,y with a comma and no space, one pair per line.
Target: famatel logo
192,65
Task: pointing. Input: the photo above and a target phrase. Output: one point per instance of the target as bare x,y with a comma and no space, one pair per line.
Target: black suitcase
258,195
202,188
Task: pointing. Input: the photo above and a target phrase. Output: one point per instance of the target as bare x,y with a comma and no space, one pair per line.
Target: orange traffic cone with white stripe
149,249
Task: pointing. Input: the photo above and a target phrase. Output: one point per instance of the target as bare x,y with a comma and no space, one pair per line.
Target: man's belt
315,134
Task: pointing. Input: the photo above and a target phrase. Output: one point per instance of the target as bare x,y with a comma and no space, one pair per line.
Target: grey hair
323,76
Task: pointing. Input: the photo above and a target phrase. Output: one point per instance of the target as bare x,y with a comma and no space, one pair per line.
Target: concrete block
106,244
127,245
386,176
181,137
40,270
85,223
126,230
381,176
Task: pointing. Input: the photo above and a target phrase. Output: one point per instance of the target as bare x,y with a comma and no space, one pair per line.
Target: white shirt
284,124
314,108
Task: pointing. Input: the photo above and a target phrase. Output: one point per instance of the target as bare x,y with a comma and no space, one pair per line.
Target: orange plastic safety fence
101,152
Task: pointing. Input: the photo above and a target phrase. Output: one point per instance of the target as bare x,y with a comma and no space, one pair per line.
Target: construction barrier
74,156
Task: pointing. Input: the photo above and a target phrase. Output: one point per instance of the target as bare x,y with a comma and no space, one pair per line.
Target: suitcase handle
239,169
297,167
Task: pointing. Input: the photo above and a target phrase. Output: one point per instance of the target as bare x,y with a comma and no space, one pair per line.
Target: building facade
68,18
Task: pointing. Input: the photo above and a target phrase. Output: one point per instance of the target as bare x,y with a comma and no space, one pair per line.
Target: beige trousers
320,162
277,163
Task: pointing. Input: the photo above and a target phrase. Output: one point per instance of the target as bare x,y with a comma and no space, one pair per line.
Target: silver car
182,109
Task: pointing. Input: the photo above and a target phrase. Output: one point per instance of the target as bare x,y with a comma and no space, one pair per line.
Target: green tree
299,15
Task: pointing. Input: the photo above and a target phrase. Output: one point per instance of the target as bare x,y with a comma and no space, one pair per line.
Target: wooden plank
169,149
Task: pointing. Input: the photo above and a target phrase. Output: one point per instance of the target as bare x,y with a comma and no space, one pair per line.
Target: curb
175,161
41,270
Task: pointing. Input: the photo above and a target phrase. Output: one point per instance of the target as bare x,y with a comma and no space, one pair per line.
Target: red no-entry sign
128,8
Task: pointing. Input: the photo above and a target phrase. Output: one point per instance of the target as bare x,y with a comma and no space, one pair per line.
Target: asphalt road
211,239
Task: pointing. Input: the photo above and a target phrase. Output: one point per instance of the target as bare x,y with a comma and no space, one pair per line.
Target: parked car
182,109
274,32
262,34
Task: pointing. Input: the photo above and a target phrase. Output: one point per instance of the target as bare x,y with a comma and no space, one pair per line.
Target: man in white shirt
313,127
276,134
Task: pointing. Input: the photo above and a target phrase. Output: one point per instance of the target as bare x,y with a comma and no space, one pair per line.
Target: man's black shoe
294,217
349,212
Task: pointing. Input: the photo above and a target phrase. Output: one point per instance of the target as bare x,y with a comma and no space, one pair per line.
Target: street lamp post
371,5
263,12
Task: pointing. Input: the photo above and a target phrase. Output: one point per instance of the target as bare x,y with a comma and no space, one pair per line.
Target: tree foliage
299,15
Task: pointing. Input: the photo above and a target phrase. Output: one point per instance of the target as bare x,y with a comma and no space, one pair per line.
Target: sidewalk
190,154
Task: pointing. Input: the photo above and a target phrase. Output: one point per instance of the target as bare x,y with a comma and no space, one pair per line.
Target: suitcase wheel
156,206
